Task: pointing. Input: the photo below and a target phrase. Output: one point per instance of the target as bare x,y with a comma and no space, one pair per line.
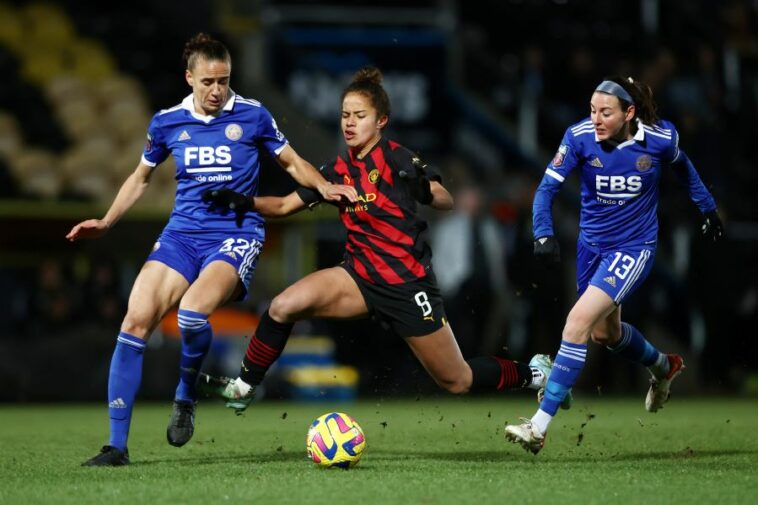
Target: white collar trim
638,137
189,104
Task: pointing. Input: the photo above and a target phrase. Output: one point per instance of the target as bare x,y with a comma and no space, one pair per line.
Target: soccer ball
335,440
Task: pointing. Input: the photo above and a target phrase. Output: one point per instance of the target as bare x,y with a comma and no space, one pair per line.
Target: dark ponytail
204,46
644,103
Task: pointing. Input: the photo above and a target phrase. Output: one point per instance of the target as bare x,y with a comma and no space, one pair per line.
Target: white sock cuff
541,420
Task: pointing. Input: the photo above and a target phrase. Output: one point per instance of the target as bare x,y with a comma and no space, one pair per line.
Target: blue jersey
619,183
212,152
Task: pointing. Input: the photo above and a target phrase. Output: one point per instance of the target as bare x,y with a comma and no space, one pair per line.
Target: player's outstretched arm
306,175
279,206
131,190
225,199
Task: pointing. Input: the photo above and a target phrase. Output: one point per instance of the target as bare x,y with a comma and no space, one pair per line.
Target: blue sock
634,347
567,366
196,341
123,383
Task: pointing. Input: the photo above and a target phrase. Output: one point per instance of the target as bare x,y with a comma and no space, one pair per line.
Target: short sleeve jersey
619,183
212,152
386,238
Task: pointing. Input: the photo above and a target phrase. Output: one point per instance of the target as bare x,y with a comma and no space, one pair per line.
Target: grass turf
429,451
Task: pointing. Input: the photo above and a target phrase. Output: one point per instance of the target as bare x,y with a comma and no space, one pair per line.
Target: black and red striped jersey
386,239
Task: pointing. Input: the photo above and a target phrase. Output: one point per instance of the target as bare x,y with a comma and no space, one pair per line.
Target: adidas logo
184,135
595,162
610,280
118,403
231,255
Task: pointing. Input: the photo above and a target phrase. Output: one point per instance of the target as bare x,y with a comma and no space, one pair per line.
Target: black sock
491,373
264,348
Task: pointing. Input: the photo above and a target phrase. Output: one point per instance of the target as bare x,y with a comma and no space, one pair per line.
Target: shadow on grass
213,459
499,456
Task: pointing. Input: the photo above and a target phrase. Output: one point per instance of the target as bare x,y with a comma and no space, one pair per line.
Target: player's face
360,126
609,120
210,85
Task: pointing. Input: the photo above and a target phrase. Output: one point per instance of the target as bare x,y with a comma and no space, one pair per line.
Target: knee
605,335
139,325
575,331
283,308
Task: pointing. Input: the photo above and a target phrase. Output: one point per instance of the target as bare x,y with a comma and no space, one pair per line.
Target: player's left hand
712,226
225,199
338,192
419,183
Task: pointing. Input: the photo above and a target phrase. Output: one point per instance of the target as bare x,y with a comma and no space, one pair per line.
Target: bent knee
139,326
285,307
605,336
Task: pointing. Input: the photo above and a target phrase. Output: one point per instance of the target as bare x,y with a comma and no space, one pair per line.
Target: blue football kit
211,152
619,200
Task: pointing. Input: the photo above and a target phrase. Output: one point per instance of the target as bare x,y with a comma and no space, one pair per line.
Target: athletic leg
217,283
440,355
329,293
626,341
592,306
156,289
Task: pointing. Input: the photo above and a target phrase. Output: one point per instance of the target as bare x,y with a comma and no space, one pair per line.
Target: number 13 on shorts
621,272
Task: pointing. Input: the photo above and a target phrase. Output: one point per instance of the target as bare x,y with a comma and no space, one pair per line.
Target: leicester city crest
233,131
644,163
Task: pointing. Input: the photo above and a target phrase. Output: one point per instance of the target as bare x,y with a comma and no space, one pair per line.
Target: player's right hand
91,228
547,251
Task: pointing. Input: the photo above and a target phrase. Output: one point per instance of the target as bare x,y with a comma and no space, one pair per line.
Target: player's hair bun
368,75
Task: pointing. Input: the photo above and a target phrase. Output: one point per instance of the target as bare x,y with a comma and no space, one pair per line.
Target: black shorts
413,309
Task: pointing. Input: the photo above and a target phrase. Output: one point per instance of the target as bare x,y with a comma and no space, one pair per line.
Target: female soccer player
201,259
387,269
620,152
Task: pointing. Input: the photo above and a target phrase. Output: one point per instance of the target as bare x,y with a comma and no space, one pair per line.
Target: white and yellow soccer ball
335,440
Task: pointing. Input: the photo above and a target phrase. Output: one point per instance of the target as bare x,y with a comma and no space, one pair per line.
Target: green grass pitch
429,451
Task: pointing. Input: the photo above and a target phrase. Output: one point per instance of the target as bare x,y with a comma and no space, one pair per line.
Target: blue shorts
190,253
617,271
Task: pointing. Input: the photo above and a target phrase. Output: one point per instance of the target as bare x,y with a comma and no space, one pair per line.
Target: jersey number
241,246
423,301
627,262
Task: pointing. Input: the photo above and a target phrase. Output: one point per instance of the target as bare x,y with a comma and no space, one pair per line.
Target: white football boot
525,434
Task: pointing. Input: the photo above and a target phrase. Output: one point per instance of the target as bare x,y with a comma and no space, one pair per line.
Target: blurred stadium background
482,89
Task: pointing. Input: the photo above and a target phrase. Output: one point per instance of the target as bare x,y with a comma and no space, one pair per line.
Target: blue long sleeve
542,216
697,191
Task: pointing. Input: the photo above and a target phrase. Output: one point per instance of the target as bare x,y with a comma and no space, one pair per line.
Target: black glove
712,226
224,200
419,183
547,251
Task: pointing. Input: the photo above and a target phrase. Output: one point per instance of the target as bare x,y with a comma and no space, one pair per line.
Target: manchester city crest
373,176
233,131
644,163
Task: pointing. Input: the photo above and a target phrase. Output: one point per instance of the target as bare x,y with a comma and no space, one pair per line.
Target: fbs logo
610,280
